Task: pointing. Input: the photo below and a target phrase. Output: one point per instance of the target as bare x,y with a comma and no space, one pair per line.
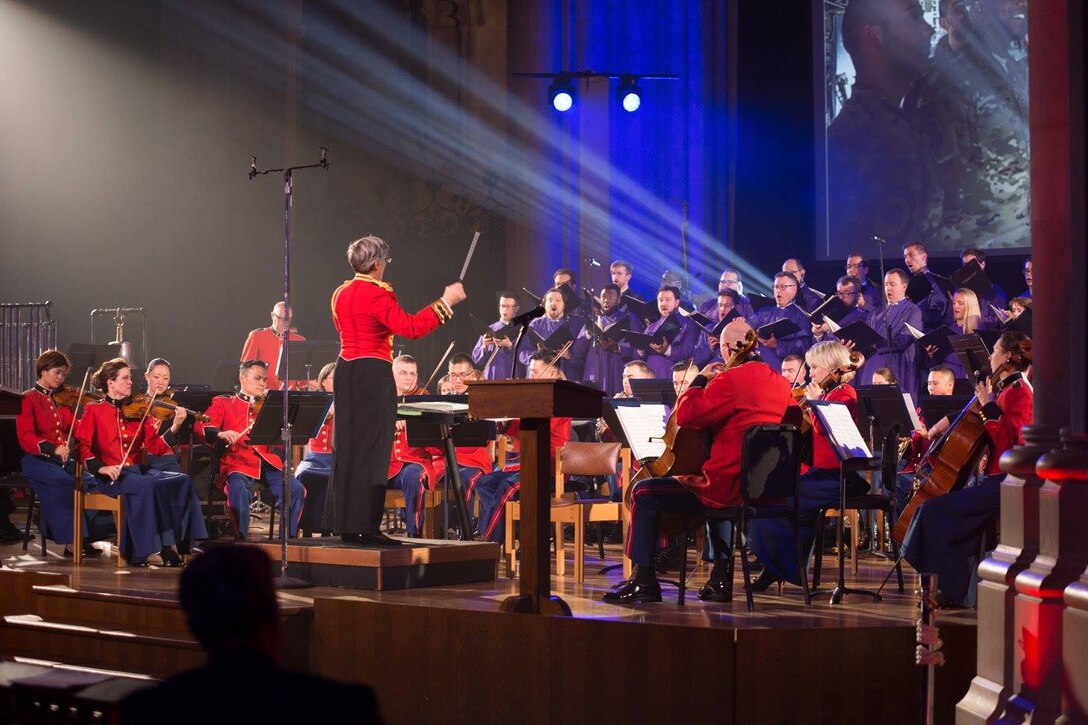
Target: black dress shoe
138,563
714,591
764,581
170,558
634,593
371,540
89,552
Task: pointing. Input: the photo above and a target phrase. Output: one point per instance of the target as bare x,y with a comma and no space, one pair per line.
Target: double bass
952,458
685,448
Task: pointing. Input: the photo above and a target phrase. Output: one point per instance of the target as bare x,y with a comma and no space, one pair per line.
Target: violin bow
438,367
556,358
72,428
135,435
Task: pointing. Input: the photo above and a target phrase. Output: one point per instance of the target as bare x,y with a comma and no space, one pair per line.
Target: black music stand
654,390
879,408
305,416
307,358
435,428
88,356
935,407
225,376
973,355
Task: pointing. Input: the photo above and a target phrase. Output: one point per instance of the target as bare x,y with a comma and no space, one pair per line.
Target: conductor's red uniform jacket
734,401
233,412
367,316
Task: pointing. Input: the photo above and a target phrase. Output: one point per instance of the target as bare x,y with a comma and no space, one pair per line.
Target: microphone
592,262
879,240
324,162
526,317
252,166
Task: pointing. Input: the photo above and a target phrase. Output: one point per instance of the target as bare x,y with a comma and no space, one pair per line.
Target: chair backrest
770,463
590,459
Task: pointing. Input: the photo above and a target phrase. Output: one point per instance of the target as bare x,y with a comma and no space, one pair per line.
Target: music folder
507,331
972,277
571,300
939,338
832,307
861,334
556,340
759,301
923,283
609,333
778,328
664,334
645,311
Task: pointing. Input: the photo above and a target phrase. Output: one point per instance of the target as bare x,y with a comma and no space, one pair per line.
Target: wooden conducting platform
446,653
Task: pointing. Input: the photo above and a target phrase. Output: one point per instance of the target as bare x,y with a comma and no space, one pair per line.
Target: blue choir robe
899,356
936,308
743,308
499,369
545,326
682,347
873,294
610,376
997,298
796,344
704,355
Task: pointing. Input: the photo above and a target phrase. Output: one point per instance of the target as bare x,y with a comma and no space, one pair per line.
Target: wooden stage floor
863,649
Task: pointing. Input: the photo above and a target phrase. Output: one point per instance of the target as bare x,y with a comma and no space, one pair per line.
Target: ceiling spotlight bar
561,90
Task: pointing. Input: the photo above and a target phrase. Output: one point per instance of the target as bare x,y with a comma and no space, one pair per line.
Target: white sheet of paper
842,429
914,331
644,425
914,419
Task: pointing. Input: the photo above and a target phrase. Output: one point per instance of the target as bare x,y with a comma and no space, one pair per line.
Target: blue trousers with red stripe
314,472
494,490
653,496
239,494
410,481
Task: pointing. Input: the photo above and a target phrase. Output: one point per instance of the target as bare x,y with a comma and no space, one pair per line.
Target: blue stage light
629,94
561,94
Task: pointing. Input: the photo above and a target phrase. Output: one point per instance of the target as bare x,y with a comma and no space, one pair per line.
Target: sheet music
431,406
841,428
643,425
914,331
914,419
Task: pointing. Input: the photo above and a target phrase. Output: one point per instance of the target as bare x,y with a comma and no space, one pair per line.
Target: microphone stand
284,581
880,242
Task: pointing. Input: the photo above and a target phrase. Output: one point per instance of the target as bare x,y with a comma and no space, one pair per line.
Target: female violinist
946,534
162,511
157,376
772,540
44,427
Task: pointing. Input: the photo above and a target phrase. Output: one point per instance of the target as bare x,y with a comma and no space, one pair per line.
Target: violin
953,456
685,448
831,381
162,408
70,397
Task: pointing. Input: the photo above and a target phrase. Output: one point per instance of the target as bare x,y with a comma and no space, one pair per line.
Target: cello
685,448
952,458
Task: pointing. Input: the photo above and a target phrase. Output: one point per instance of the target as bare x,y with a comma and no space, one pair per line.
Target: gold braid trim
444,311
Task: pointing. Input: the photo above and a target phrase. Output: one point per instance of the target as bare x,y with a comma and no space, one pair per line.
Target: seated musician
634,370
472,461
496,354
231,418
162,511
266,343
495,489
729,402
316,465
662,355
406,376
157,376
682,375
884,376
946,534
940,381
772,540
794,371
43,427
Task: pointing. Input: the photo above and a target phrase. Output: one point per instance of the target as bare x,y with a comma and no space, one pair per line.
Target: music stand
973,355
225,376
88,356
879,408
654,390
305,416
935,407
307,358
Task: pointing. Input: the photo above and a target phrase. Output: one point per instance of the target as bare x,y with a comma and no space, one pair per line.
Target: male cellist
729,401
945,536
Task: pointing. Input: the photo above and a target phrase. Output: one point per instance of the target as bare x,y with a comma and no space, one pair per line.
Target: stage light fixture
629,95
561,94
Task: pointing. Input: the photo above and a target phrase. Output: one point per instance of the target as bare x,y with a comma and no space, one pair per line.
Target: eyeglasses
458,376
844,295
784,286
281,317
859,265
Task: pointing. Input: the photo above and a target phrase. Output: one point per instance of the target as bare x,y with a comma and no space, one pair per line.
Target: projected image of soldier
880,177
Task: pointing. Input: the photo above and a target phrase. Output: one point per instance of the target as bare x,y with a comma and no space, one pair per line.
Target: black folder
778,328
859,332
922,284
668,331
973,277
554,341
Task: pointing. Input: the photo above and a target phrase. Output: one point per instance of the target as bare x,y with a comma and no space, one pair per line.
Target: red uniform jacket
264,344
104,435
322,443
560,430
823,454
42,425
734,401
366,314
231,412
1005,419
402,453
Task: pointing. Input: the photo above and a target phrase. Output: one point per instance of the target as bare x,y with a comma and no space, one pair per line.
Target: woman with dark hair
157,375
162,511
367,316
43,427
946,534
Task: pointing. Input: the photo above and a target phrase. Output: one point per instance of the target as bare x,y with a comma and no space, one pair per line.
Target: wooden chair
578,459
94,502
394,499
